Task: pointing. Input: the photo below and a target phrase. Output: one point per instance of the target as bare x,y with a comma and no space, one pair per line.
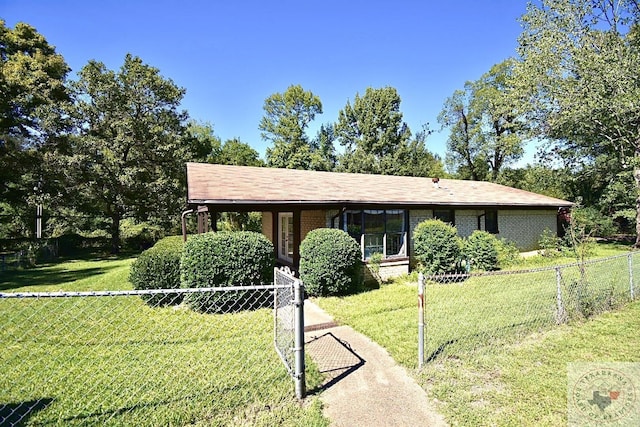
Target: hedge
330,263
222,259
159,268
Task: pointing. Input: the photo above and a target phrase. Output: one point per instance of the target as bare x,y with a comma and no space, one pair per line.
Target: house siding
525,227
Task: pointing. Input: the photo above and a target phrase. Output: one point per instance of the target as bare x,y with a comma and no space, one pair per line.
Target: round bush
159,268
222,259
437,247
481,250
330,263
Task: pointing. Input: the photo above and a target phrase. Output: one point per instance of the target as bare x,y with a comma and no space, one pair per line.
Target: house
379,211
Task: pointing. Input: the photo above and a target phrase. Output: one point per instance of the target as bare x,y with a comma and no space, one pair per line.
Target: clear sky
230,55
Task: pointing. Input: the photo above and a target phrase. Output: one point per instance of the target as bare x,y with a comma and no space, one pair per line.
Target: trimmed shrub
437,247
159,268
241,258
330,263
481,250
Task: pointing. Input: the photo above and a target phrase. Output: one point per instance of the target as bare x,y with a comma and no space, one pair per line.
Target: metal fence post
298,301
420,320
630,262
560,311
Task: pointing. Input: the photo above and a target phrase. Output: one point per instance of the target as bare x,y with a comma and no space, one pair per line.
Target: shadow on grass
109,414
47,275
484,338
17,414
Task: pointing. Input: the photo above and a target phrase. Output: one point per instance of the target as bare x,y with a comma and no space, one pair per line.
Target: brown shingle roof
221,184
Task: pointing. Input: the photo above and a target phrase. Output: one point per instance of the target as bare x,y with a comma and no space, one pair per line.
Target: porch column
213,216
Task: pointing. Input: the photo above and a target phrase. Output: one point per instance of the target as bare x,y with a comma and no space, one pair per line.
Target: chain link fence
144,358
464,312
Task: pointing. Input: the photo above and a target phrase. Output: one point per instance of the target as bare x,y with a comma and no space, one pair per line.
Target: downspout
184,224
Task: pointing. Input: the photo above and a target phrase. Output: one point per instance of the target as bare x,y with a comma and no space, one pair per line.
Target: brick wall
310,220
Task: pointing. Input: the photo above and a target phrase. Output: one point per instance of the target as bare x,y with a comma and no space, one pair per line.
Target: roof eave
370,202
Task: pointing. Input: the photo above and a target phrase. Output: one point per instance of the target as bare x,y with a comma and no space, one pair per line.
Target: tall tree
323,152
203,134
33,100
131,144
287,116
579,71
236,152
486,128
464,151
373,134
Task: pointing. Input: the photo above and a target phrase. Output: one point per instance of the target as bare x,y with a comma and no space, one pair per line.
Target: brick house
379,211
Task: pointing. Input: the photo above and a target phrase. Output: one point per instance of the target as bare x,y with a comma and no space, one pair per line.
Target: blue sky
231,55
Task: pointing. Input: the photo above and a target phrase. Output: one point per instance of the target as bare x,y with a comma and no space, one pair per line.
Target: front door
286,239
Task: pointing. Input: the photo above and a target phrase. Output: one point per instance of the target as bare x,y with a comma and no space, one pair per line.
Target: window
445,215
285,236
491,221
378,231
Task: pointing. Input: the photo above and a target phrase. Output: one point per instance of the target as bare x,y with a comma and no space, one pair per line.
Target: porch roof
243,185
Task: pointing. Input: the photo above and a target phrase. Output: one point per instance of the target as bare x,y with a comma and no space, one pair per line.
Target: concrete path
364,386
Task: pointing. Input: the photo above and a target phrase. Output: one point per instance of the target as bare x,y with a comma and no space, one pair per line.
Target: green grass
491,340
116,361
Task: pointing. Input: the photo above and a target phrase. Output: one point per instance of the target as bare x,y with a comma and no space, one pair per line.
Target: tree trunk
636,176
115,232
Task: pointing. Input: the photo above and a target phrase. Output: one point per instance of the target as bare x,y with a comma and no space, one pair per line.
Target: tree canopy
486,128
33,125
131,143
287,116
579,74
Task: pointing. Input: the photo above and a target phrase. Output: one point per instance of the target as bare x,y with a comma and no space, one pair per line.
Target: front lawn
116,361
491,340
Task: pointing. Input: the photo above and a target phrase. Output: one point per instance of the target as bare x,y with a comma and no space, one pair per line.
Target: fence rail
152,357
458,313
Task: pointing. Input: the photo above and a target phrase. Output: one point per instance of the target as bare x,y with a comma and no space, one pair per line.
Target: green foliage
592,221
377,140
139,235
159,268
287,116
550,244
481,250
570,53
131,144
437,247
330,263
508,253
240,221
485,133
223,259
33,121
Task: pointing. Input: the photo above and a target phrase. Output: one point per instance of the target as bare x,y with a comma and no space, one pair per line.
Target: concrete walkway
364,386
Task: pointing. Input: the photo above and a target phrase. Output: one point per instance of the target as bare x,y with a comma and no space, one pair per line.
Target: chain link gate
289,325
